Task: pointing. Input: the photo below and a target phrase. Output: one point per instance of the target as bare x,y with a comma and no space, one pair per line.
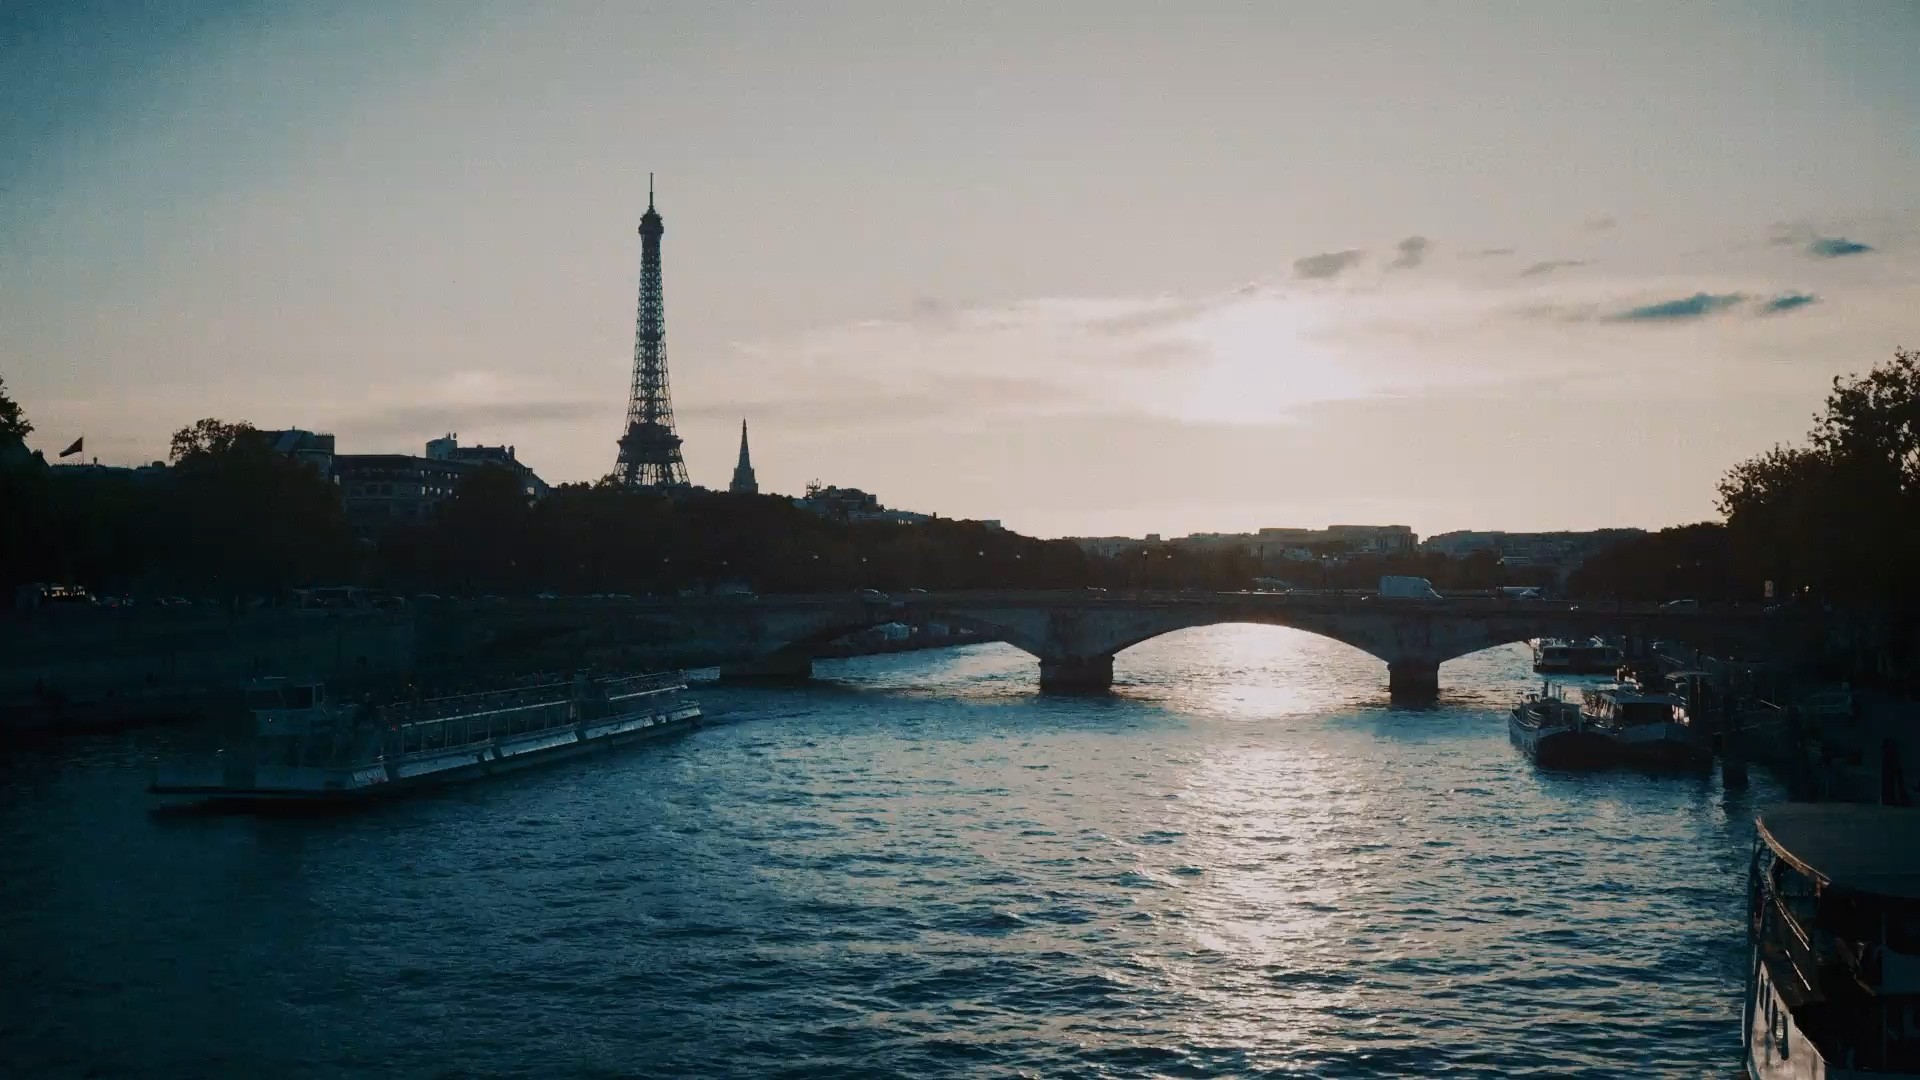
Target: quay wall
84,669
74,670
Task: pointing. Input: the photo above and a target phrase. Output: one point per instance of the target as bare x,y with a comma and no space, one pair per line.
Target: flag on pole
75,448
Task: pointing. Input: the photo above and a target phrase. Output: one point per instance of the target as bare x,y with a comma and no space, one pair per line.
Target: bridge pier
1413,680
773,667
1076,674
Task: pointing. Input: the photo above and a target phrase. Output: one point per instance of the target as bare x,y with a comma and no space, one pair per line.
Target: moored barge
1552,656
305,749
1553,732
1648,729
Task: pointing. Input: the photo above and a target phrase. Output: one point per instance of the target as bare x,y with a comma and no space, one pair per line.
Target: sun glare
1262,364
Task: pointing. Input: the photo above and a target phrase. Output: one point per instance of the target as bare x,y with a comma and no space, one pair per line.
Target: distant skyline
1087,268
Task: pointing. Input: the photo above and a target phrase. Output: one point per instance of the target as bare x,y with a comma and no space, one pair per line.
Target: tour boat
1592,657
1552,732
305,749
1833,975
1647,728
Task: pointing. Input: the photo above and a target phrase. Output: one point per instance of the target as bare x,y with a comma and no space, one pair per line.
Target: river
1244,862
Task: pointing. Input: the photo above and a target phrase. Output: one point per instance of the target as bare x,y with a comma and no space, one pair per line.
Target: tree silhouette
13,422
1836,518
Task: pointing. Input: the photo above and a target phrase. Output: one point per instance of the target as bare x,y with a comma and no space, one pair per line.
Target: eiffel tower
650,450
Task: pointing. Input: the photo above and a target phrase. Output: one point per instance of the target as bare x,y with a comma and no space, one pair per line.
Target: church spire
743,481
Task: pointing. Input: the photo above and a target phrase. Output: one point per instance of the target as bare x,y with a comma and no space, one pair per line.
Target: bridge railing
1309,598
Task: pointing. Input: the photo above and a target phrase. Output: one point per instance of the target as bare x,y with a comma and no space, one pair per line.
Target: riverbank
79,671
1871,755
72,672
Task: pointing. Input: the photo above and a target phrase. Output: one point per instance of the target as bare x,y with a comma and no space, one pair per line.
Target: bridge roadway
1075,634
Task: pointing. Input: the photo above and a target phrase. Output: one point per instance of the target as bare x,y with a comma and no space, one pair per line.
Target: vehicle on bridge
1401,587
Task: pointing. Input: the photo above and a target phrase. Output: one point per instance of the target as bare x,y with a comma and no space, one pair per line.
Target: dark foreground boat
304,750
1552,731
1833,982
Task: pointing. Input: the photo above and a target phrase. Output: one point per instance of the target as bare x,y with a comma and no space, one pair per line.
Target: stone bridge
1075,635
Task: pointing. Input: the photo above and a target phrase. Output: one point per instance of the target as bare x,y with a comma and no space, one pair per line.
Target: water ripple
1244,863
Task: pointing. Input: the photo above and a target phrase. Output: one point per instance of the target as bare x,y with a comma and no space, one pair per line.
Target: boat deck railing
438,708
466,729
479,718
1805,952
635,685
404,729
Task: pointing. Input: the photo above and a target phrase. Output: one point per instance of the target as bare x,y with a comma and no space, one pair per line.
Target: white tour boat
305,749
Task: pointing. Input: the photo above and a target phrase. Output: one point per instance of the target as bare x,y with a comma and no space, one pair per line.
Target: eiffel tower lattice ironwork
649,449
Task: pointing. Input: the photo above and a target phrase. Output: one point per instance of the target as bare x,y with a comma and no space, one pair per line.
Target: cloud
1601,223
1413,250
1156,316
1565,311
1550,265
427,420
1325,265
1488,253
1692,307
1788,302
873,404
1833,247
1162,355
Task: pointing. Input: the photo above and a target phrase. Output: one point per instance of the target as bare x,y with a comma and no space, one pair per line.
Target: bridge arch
841,627
1075,635
787,651
1412,639
1412,660
1348,640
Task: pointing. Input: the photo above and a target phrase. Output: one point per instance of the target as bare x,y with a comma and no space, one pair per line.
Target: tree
480,533
13,422
1837,517
1685,562
25,533
1874,421
241,519
210,438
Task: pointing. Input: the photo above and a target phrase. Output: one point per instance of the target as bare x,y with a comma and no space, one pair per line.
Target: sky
1087,268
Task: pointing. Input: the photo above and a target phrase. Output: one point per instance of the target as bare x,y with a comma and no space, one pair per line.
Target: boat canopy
1858,847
